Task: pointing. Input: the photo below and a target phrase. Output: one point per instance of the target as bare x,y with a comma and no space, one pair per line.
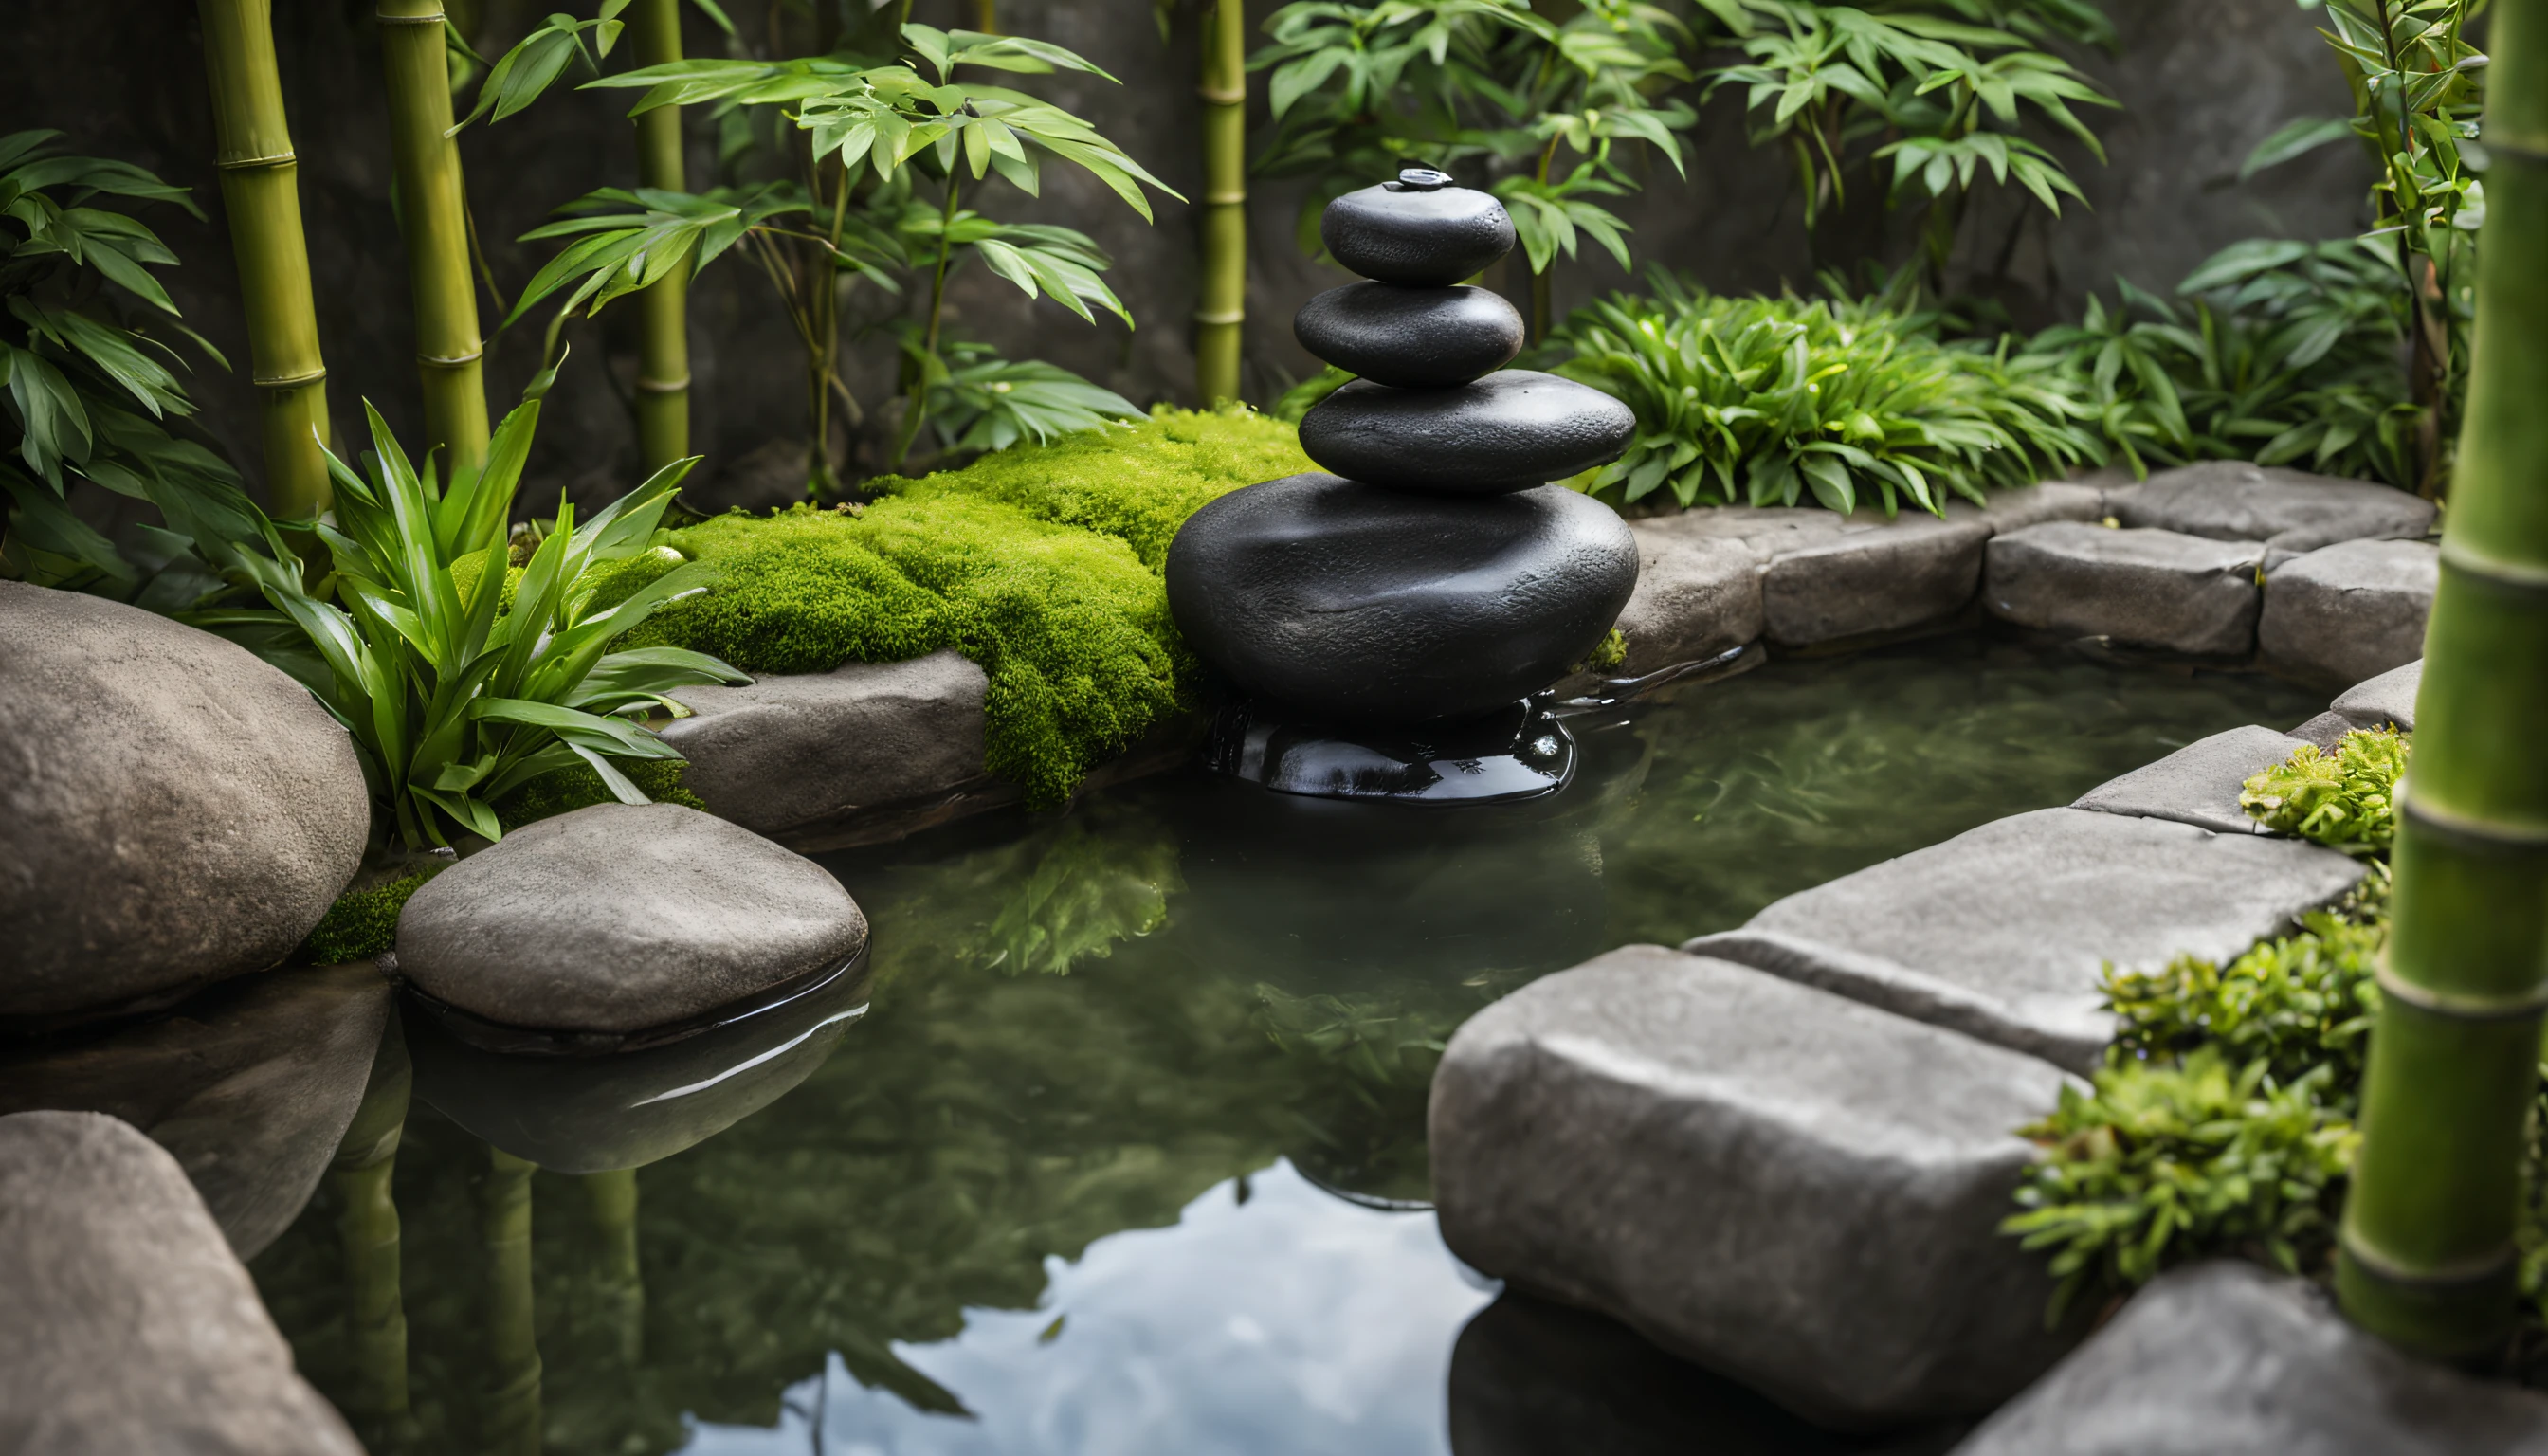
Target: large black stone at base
1353,604
1519,753
1412,337
1507,431
1400,234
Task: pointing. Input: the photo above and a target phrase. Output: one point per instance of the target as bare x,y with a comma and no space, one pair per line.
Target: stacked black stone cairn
1391,621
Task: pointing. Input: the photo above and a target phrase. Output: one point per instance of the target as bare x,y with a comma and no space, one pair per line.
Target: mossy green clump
563,790
2343,800
361,926
1039,563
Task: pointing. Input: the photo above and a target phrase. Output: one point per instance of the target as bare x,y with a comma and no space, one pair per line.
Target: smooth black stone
1359,605
1402,235
1507,431
1413,337
1519,752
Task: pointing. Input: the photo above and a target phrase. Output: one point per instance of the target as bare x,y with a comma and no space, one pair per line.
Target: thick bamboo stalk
368,1233
663,345
612,1197
511,1414
1222,312
433,213
261,190
2427,1257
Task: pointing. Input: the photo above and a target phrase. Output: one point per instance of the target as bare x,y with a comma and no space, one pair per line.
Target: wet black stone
1363,605
1419,337
1400,234
1507,431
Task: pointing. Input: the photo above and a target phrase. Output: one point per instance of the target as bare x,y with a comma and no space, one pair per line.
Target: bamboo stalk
663,345
433,214
511,1414
1221,313
368,1235
261,190
2427,1257
612,1197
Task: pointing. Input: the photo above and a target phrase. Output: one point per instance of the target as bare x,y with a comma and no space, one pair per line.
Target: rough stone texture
2198,784
2350,611
619,918
1874,578
1411,337
2289,511
2033,505
1695,597
1379,606
2002,931
131,1327
1401,235
593,1113
1508,431
172,810
2144,588
1778,1183
2224,1356
2326,730
2386,698
786,752
250,1084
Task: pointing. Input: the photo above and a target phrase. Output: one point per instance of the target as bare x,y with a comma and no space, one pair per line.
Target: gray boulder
2001,932
176,811
1695,597
788,752
2386,700
2198,784
130,1325
2226,1357
2144,588
1784,1185
2289,511
250,1085
621,918
2349,612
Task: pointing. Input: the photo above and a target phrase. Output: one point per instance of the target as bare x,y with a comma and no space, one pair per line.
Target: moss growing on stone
569,789
361,924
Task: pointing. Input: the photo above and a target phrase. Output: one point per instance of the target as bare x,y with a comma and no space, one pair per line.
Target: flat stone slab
1695,597
2143,588
788,752
2226,1357
2289,511
2001,932
1784,1185
250,1084
172,810
130,1326
1829,578
2389,698
2033,505
2198,784
623,918
2349,612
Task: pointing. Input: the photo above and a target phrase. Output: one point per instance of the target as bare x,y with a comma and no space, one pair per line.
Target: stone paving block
2033,505
1874,578
2143,588
2326,730
2001,932
1790,1187
2289,511
2386,698
1696,597
2350,611
2226,1357
2197,784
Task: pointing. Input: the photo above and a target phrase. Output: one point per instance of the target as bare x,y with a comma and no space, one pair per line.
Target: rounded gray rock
623,918
1375,607
1508,431
175,810
1413,337
1398,234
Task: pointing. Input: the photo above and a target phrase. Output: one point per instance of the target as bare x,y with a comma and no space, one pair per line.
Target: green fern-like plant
2345,799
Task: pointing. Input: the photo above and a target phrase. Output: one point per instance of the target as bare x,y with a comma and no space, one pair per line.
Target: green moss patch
361,924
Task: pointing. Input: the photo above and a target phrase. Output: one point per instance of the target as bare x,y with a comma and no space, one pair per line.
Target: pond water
1120,1147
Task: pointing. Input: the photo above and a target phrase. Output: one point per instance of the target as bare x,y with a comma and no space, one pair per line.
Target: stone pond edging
2321,580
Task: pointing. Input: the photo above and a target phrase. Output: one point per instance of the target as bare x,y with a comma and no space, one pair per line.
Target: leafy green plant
1531,108
2345,800
91,392
1774,401
2297,1002
455,696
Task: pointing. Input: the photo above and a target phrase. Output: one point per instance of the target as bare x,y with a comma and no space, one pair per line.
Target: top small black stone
1418,230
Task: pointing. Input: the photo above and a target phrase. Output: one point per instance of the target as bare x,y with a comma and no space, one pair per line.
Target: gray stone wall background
2200,83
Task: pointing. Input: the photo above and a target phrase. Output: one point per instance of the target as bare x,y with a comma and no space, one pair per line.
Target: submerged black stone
1418,337
1418,228
1364,605
1508,431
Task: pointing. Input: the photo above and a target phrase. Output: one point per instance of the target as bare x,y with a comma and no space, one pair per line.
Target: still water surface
1125,1153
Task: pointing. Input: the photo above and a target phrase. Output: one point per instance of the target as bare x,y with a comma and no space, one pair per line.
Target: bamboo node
664,386
1220,96
289,381
2483,1268
282,159
2458,1005
1237,197
382,16
2494,572
2483,836
451,361
1221,316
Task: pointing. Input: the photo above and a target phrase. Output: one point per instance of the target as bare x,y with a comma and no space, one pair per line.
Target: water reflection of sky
1292,1322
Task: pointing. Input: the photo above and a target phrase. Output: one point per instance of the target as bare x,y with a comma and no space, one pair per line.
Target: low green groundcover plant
2343,799
361,924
